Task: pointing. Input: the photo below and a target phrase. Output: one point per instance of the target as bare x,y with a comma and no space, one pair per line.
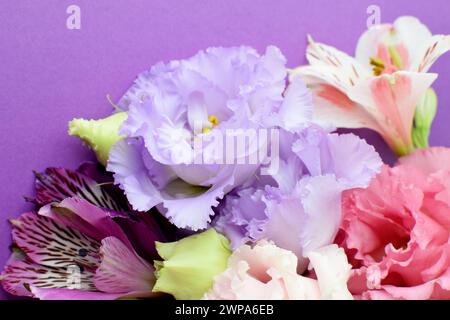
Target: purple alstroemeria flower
80,247
300,209
174,106
92,183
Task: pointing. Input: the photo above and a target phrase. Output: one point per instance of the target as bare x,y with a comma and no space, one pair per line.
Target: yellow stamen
376,62
213,120
206,130
213,123
378,65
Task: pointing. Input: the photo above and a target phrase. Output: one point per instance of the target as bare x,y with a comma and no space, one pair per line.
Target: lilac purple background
49,74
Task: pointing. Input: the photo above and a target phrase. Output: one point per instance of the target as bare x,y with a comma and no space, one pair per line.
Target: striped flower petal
85,217
21,275
53,244
75,250
56,184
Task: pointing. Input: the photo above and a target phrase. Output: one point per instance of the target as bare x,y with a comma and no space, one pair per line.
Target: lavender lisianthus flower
173,106
300,209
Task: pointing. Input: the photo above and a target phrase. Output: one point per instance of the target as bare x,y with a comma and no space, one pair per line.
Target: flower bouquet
221,176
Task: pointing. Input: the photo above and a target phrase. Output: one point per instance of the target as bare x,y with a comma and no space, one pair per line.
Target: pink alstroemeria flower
381,86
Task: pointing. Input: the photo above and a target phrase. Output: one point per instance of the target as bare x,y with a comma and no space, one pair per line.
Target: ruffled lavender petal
355,162
173,106
351,159
146,84
131,174
301,211
284,212
195,212
291,117
185,205
242,213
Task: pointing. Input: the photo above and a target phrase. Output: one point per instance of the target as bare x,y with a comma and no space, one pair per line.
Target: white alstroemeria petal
369,41
430,51
345,70
413,34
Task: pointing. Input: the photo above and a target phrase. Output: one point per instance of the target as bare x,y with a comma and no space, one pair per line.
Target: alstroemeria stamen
378,65
395,57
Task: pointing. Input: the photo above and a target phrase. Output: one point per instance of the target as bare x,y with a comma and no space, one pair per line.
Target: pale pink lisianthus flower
396,232
267,272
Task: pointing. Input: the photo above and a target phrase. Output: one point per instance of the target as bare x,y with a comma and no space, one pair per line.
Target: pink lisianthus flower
267,272
381,86
396,232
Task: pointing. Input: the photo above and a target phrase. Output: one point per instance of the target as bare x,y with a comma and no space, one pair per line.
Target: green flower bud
100,134
423,118
191,264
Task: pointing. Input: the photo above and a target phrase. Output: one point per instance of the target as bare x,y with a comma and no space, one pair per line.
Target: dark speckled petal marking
52,244
56,184
20,275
